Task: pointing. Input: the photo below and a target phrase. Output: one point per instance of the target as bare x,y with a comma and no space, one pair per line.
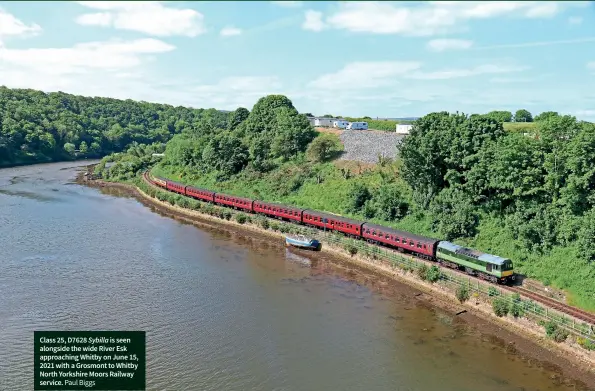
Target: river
223,310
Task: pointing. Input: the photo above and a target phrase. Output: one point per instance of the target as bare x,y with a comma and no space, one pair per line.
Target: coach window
411,243
418,245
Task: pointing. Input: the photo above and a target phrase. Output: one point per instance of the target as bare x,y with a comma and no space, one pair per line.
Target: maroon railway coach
234,201
200,194
400,239
176,187
332,222
278,210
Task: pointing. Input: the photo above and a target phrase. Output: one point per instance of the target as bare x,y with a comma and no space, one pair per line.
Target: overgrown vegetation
462,293
553,331
528,196
42,127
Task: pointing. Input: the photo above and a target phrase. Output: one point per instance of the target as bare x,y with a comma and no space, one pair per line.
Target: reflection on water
222,310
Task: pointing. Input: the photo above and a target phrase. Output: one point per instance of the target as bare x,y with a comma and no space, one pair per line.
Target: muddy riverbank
519,336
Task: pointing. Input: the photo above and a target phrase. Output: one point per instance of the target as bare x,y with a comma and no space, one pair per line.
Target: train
488,267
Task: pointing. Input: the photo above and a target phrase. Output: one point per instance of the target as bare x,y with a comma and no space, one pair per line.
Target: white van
358,126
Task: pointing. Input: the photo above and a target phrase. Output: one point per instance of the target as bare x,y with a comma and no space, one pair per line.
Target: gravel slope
365,145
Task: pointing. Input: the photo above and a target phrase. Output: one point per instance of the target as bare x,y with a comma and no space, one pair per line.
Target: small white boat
302,242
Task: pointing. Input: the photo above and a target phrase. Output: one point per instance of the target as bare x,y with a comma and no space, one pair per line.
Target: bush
264,223
493,292
433,274
274,226
422,271
226,214
585,343
462,293
554,332
351,249
500,306
241,218
283,228
516,309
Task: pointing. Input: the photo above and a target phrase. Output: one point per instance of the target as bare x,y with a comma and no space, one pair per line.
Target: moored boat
302,242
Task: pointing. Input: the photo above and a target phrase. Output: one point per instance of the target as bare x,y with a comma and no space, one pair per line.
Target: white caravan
358,126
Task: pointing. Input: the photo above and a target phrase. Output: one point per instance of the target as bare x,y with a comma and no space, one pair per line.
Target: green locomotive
486,266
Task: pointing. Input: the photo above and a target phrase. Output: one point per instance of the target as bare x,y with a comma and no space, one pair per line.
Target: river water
223,311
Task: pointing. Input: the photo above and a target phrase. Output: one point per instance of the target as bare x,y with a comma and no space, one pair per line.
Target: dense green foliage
528,198
40,127
464,178
274,132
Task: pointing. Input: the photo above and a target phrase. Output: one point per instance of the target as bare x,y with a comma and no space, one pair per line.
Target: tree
357,197
83,148
237,117
546,115
500,116
323,148
523,115
69,148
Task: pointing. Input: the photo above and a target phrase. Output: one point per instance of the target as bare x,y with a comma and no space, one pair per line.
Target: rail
536,308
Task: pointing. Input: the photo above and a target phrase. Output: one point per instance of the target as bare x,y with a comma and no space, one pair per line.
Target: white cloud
230,31
11,26
575,20
440,45
585,115
360,75
103,19
535,44
363,76
432,18
467,72
81,58
591,65
152,18
313,21
288,4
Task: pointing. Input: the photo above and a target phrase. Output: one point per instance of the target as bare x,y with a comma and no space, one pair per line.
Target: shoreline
522,335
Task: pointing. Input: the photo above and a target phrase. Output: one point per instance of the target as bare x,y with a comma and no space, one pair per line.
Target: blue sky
388,59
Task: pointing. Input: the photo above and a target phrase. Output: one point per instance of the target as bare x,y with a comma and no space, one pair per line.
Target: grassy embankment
297,183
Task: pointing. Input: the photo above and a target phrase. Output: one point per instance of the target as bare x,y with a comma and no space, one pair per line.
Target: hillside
460,178
42,127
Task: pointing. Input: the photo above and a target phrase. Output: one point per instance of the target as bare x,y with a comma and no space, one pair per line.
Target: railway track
552,303
555,304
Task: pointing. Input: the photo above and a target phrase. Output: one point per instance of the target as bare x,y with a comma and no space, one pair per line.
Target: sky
377,59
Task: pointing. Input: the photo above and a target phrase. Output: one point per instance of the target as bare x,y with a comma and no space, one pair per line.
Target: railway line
547,301
555,304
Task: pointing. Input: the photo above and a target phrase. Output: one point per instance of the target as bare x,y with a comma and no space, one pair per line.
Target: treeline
41,127
538,189
258,141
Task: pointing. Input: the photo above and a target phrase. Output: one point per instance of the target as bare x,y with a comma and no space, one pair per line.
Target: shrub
585,343
183,202
554,332
283,228
264,223
516,309
351,249
500,306
241,218
462,293
274,226
226,214
493,292
422,271
433,274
